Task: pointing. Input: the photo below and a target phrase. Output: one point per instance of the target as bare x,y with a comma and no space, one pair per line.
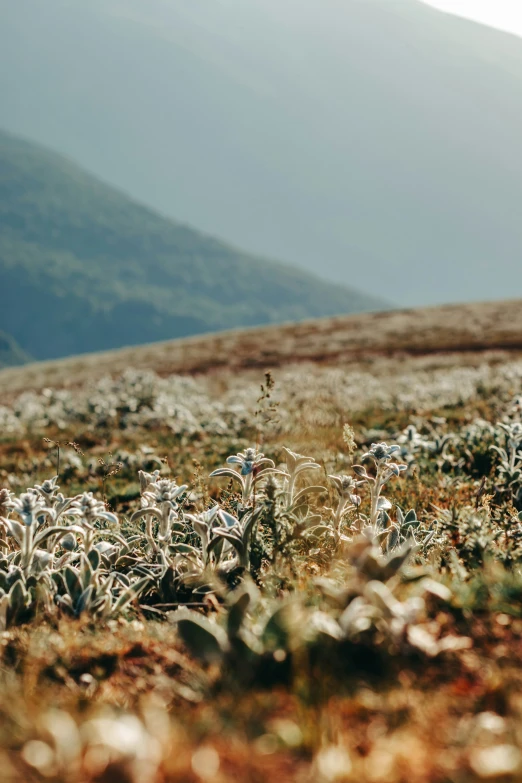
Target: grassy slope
450,329
87,268
377,714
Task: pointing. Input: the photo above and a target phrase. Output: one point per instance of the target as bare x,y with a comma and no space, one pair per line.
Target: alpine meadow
260,393
312,575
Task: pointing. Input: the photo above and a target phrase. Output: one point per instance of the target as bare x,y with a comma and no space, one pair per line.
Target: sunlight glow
502,14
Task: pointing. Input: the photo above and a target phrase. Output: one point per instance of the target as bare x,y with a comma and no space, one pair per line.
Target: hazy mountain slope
375,141
83,268
11,355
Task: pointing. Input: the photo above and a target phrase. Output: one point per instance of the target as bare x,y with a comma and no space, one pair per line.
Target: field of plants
309,575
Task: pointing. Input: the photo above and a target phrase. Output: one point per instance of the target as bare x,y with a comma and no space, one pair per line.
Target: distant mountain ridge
377,142
84,268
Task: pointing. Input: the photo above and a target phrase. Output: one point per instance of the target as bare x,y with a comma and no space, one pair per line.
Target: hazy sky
504,14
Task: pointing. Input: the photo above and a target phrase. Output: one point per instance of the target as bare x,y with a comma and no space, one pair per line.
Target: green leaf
282,626
248,528
126,561
204,590
84,600
393,538
411,518
142,512
69,542
94,558
205,640
15,575
18,599
307,491
86,572
237,613
73,583
234,539
132,592
216,545
59,581
226,472
319,531
58,531
65,603
16,530
184,549
396,561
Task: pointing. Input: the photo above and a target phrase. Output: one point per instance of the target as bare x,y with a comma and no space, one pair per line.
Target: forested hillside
84,268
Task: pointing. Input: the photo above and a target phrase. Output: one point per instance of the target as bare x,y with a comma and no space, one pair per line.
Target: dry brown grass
452,329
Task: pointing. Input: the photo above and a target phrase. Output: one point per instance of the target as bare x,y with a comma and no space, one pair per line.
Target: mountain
84,268
377,142
11,355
